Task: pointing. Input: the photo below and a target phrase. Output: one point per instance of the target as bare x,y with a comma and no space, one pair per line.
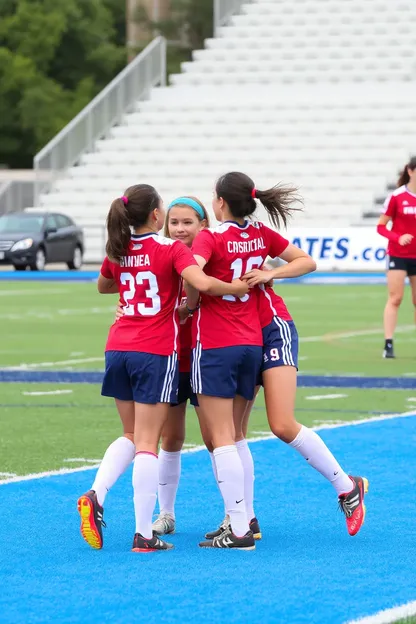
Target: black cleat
388,352
141,544
225,524
92,521
255,528
227,539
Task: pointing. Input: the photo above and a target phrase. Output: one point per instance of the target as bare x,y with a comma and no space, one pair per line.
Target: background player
400,209
141,360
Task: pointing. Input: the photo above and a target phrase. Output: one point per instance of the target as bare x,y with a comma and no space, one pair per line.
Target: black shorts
185,391
402,264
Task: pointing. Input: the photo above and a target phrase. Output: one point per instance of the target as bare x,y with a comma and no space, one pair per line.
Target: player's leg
215,378
396,276
118,456
279,380
412,280
173,437
154,382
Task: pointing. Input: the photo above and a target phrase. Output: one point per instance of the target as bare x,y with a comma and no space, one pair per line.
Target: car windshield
21,223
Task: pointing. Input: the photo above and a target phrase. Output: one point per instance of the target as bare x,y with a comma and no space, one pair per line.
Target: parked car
33,239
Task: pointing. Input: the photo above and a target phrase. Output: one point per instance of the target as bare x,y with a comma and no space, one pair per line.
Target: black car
32,239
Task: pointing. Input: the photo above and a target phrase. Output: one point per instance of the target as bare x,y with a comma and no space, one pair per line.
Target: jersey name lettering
135,261
245,246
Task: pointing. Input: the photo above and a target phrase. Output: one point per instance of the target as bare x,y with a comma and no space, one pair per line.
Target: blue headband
187,201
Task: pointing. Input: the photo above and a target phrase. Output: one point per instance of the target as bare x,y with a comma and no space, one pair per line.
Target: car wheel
76,263
40,261
19,267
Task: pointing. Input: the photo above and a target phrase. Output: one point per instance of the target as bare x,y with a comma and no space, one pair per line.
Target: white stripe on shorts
196,380
287,341
167,383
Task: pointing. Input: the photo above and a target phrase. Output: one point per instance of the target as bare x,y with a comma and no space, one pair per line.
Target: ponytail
238,190
404,176
118,230
278,202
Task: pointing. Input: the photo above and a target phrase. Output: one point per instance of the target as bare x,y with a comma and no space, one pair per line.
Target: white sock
246,458
145,480
116,460
318,455
231,483
169,475
214,470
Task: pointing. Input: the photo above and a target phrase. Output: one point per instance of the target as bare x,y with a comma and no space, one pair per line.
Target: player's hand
183,312
405,239
258,276
119,312
240,288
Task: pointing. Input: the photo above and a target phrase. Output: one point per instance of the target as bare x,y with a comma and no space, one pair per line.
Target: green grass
42,324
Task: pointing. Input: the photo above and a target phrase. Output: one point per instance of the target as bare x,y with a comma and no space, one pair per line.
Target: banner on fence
342,249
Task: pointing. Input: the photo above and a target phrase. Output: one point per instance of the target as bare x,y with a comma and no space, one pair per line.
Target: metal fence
135,82
16,195
223,10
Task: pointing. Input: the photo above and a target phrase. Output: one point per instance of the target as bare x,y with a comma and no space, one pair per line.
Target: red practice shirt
401,207
231,250
271,305
150,287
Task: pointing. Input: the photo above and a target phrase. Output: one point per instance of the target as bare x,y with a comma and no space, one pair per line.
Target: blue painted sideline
304,381
91,276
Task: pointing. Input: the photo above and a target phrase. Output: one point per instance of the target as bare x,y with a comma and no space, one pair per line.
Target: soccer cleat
92,521
352,504
255,528
225,524
141,544
388,352
227,539
164,524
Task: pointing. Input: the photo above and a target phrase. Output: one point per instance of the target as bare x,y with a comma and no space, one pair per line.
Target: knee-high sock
231,483
116,460
318,455
169,475
145,480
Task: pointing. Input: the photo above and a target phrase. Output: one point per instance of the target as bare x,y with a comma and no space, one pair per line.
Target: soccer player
141,371
227,356
400,209
186,217
234,194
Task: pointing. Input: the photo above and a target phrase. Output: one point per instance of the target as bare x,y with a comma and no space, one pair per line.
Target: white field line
412,399
35,365
47,393
17,293
321,397
389,615
196,449
8,474
353,334
83,460
11,316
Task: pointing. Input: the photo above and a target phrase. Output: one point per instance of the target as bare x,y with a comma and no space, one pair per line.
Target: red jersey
150,286
401,207
270,305
185,341
231,250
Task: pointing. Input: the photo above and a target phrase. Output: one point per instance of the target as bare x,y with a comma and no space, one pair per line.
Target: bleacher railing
223,10
107,109
16,195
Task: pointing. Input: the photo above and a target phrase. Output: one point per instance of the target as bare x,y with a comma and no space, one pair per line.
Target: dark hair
204,210
404,176
238,190
131,210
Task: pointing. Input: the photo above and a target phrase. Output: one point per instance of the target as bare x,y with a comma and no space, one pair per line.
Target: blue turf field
306,568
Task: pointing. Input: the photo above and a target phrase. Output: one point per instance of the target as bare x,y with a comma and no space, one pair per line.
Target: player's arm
403,240
107,286
196,281
298,263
